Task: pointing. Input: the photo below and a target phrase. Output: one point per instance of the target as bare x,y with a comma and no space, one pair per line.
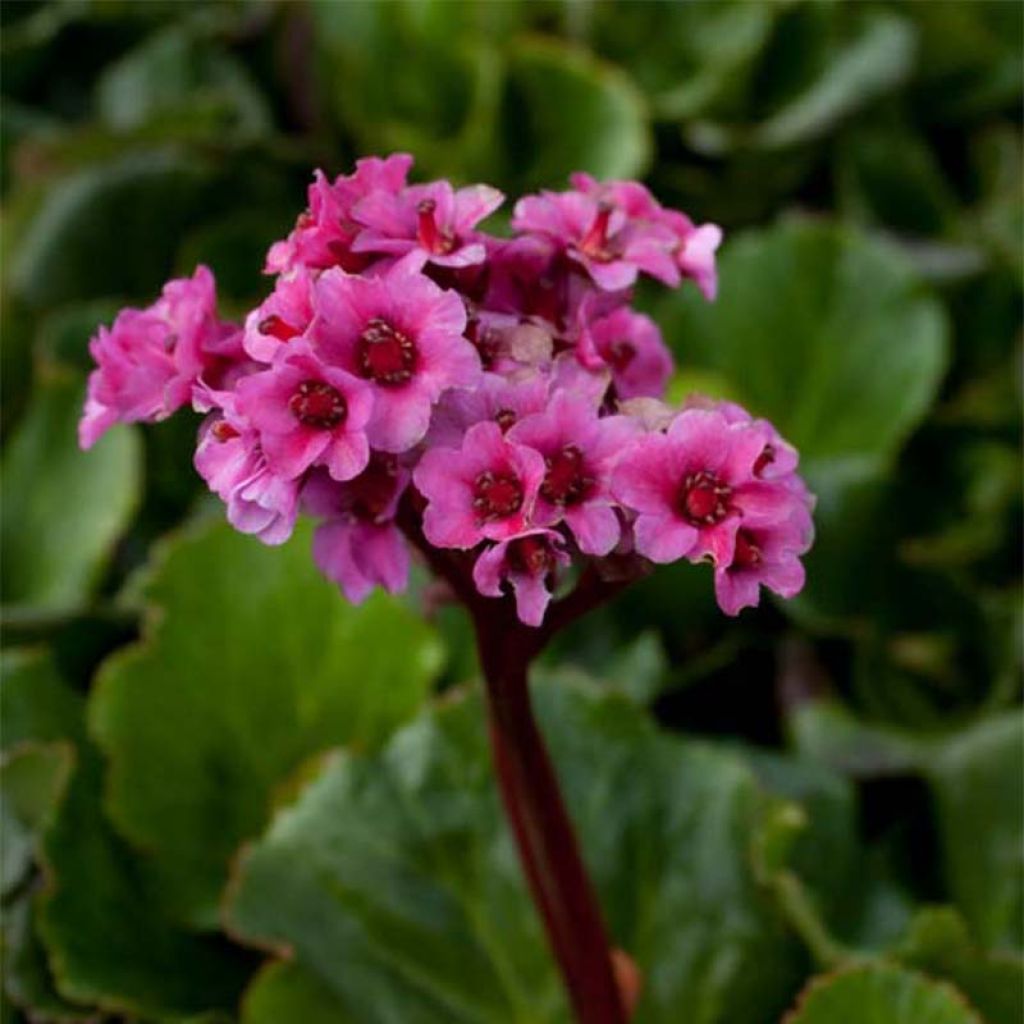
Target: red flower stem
547,844
532,798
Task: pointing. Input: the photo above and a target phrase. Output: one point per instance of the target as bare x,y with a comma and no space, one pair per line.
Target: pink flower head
308,413
484,490
630,345
147,363
692,487
359,556
434,219
692,248
765,556
579,451
229,458
503,400
401,334
324,232
360,547
528,562
283,315
779,458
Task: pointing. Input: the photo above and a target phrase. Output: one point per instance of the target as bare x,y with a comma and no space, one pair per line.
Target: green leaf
938,943
285,991
27,978
35,702
394,880
63,509
880,994
250,664
172,76
32,780
566,111
102,922
109,229
978,783
876,59
841,375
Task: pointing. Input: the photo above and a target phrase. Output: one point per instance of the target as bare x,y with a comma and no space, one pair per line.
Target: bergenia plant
493,407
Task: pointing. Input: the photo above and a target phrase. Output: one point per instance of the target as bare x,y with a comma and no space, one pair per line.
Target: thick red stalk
530,792
547,844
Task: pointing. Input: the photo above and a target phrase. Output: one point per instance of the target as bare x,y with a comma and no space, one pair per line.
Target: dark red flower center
747,554
765,459
428,234
223,431
505,418
565,482
531,555
277,328
621,353
704,499
496,495
316,404
595,242
373,490
385,355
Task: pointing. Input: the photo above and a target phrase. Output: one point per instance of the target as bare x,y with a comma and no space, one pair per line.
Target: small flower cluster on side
502,388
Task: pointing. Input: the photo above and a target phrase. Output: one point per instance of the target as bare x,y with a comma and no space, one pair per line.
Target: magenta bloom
308,413
768,557
694,485
434,219
148,361
403,335
579,449
503,400
484,490
692,248
359,546
229,458
528,562
630,345
284,315
324,232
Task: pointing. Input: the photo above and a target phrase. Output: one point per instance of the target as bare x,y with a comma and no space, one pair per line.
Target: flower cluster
501,391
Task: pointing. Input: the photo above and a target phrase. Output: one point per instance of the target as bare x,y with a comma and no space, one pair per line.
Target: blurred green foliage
172,692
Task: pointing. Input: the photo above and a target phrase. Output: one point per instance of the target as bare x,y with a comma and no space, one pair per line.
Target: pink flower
484,490
630,345
324,232
503,400
307,413
434,219
527,561
768,557
283,315
692,248
779,458
403,335
229,458
579,451
694,485
147,363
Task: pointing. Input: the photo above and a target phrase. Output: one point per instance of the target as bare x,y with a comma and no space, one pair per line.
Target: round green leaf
103,922
825,331
978,782
108,229
567,111
250,664
882,995
285,991
63,509
394,880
